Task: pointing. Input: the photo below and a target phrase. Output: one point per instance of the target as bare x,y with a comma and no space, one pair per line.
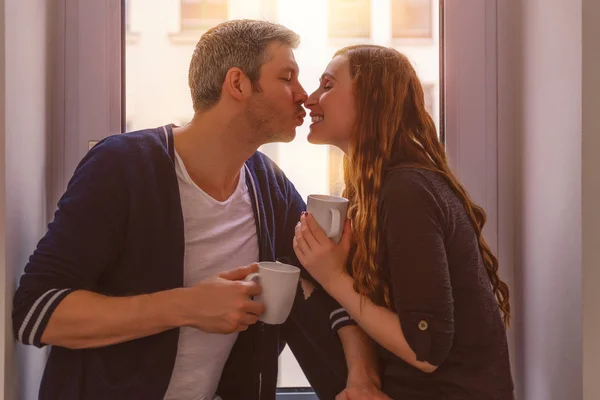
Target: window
202,14
336,171
159,94
156,93
349,18
412,19
430,96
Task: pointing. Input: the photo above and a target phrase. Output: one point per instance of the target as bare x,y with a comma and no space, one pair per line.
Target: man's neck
213,149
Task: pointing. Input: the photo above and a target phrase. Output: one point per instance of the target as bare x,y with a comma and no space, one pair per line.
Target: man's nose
301,95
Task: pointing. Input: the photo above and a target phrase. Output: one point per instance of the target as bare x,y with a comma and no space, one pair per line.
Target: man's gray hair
238,43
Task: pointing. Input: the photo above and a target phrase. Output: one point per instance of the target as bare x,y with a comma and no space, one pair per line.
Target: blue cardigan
118,230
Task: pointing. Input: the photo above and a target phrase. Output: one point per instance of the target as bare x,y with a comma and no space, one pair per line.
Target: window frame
292,394
88,92
470,112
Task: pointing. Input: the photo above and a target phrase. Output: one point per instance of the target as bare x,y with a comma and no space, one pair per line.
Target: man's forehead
280,55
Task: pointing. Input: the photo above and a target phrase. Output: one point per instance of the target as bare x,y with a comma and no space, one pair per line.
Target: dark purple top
442,294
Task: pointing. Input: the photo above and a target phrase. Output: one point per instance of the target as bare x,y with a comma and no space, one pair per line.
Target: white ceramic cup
279,283
330,212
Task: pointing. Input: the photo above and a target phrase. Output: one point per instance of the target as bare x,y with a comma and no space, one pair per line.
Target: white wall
548,168
549,201
26,129
591,199
4,303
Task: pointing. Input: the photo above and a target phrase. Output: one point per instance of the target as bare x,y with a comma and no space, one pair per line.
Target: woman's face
332,107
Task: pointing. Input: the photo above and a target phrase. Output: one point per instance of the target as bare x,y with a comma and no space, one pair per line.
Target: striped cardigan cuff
33,326
340,318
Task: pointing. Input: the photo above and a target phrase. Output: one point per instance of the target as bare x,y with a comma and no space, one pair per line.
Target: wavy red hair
393,129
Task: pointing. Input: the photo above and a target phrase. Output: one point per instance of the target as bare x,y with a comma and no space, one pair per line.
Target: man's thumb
239,273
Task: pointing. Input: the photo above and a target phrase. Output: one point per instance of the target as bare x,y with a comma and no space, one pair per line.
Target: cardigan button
423,325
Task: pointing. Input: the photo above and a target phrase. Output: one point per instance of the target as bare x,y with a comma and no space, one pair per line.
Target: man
135,286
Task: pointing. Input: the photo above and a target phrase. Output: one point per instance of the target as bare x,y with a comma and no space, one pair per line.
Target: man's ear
237,84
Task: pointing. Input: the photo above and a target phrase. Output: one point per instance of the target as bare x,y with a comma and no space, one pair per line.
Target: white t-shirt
219,236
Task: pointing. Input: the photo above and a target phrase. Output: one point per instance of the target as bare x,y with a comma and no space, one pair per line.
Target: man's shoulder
266,169
127,148
132,142
124,155
268,175
260,161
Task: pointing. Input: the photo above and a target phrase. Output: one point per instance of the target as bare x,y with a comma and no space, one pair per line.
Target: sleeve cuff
340,318
429,337
35,322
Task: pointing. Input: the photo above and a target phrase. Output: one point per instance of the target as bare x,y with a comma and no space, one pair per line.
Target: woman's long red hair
393,128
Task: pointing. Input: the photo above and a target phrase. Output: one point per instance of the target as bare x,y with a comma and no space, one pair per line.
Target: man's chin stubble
282,138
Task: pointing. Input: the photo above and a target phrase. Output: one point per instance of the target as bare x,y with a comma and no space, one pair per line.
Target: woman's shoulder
416,188
413,179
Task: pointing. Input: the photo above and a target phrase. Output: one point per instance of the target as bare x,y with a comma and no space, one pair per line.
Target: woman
414,271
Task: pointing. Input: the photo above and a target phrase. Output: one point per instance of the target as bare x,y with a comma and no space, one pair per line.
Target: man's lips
301,117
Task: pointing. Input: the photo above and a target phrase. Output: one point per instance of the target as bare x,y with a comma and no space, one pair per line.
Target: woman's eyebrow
327,75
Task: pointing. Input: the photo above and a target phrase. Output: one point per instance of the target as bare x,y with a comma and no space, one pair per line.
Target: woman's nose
311,100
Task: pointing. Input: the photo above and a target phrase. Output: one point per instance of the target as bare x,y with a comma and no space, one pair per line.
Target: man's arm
221,305
86,319
361,358
358,348
57,301
288,216
85,237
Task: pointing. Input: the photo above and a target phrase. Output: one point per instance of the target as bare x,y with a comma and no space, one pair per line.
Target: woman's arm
421,329
324,260
381,324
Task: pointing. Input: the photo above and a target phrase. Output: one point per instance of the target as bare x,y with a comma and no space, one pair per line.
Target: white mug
330,212
279,283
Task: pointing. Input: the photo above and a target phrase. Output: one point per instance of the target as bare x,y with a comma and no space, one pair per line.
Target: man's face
276,110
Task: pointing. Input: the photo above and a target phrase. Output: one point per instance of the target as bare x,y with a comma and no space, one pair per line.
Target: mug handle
334,230
254,277
251,277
